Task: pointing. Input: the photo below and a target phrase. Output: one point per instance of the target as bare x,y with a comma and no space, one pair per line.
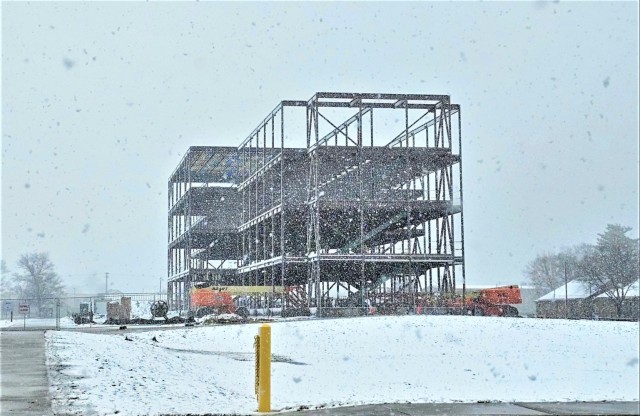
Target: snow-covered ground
65,322
4,323
337,362
141,309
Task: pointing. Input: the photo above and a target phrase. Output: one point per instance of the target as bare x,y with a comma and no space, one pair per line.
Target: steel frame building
359,193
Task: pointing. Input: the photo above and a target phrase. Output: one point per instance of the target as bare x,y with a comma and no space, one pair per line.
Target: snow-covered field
337,362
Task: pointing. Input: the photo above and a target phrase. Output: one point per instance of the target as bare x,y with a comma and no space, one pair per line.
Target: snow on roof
576,289
633,292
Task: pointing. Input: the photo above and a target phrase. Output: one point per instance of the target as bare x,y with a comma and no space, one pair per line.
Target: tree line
610,266
35,279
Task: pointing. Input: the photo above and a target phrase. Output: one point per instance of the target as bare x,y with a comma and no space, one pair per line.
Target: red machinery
206,300
495,301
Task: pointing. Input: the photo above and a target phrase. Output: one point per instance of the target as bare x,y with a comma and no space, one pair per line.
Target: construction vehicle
207,299
495,301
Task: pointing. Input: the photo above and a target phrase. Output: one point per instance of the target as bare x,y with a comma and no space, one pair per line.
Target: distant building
586,302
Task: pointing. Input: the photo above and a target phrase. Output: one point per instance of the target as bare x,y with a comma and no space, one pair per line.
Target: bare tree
547,271
7,289
612,264
37,279
543,273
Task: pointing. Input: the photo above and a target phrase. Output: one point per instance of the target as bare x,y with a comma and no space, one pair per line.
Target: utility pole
106,283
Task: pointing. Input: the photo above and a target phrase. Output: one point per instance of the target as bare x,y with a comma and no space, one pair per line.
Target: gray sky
101,100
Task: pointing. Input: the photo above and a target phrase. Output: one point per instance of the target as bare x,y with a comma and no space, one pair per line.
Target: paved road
24,382
25,391
432,409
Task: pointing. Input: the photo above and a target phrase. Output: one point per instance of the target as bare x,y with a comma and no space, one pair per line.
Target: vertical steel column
451,228
282,210
309,213
256,236
371,111
438,245
317,205
450,218
272,202
169,228
264,198
243,212
188,230
249,189
464,281
179,292
361,204
408,172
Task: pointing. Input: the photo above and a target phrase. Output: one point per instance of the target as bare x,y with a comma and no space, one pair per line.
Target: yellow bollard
264,393
256,351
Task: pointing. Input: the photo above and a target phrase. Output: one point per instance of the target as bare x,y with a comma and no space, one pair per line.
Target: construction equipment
159,309
210,300
85,316
495,301
207,299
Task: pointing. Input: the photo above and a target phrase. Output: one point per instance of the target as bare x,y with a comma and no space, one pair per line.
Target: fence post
58,314
263,368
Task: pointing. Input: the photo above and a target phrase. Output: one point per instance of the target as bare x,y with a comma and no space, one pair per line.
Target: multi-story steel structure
354,192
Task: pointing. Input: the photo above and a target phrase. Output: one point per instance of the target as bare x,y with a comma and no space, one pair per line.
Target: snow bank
5,323
65,322
223,317
337,362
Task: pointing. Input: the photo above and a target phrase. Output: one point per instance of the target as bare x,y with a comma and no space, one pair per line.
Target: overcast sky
101,100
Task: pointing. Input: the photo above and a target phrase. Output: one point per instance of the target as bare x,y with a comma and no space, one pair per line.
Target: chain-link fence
70,311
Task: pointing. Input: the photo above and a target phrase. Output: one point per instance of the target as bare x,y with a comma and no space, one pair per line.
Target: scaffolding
345,198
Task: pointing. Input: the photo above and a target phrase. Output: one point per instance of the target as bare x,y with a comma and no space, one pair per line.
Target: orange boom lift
495,301
209,299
